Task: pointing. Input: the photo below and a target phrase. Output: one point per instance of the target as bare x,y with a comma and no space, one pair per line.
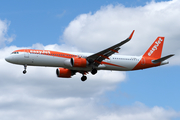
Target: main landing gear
94,71
83,78
25,67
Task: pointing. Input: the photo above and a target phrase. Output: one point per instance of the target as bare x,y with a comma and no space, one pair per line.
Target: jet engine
79,62
63,72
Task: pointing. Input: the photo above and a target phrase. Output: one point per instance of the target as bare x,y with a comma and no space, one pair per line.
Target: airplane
68,64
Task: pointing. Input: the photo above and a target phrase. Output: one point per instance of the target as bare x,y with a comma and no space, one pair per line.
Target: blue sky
54,25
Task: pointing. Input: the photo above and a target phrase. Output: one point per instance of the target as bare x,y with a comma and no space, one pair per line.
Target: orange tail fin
155,49
153,53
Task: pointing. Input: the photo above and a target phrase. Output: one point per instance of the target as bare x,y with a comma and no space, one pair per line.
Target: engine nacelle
63,72
79,62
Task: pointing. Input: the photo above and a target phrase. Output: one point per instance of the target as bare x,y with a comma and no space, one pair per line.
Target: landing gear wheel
94,71
24,72
25,67
83,78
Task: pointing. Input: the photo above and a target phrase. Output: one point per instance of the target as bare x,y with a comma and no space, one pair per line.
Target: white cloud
112,24
139,112
4,38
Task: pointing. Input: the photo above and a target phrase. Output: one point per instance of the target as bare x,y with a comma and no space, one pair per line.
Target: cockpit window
15,53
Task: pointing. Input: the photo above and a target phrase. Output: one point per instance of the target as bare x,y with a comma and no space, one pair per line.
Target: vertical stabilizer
155,49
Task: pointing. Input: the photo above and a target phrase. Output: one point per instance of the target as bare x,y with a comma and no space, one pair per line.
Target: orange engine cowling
79,62
63,72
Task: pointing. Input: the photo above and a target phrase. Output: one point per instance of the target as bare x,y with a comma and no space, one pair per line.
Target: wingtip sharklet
131,34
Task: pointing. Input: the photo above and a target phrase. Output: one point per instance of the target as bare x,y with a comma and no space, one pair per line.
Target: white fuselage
116,62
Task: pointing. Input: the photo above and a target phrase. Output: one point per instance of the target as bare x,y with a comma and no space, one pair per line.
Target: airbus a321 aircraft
70,63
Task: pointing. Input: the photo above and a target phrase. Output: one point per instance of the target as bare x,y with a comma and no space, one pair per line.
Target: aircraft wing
96,58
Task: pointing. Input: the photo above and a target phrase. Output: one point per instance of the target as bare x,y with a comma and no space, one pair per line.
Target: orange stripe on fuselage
47,52
106,63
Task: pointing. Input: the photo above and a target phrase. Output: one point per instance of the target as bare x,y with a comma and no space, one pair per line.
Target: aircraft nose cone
8,59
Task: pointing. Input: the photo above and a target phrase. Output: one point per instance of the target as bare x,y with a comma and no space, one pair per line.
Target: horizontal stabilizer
162,59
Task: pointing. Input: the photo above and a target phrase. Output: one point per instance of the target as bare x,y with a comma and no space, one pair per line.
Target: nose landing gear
25,67
24,72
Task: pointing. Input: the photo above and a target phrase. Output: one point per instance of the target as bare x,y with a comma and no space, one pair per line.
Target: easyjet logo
155,47
40,52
